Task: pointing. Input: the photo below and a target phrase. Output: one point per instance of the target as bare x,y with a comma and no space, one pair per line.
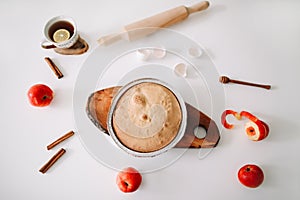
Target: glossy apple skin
224,115
256,129
129,180
251,175
40,95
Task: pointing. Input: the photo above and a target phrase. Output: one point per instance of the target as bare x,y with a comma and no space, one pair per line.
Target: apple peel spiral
255,129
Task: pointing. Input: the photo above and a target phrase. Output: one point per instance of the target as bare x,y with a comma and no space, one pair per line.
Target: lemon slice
61,35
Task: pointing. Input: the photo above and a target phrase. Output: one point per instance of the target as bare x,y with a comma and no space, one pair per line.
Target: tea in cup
60,32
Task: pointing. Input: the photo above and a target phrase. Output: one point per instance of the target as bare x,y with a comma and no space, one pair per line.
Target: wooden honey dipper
225,79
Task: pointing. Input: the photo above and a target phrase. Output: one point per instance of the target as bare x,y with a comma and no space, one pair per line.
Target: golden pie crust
147,117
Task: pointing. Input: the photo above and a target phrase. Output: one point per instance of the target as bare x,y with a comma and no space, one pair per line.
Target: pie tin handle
196,118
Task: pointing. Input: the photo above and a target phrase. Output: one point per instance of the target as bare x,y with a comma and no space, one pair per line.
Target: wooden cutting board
98,106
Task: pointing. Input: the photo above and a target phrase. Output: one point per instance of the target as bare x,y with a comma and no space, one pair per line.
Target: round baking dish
181,129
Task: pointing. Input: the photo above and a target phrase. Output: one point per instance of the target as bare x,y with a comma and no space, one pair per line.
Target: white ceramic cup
56,23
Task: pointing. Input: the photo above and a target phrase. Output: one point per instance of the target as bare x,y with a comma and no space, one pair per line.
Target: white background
250,40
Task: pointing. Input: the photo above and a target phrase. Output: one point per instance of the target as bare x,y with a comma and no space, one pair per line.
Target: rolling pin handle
198,7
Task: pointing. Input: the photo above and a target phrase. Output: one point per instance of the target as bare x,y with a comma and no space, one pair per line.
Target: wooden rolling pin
151,24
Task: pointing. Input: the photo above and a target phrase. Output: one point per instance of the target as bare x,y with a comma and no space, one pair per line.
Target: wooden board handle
195,119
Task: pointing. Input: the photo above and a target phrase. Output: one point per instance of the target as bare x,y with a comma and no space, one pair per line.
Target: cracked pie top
147,117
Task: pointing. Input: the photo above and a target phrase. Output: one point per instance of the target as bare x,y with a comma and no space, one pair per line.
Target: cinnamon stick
54,67
52,160
61,139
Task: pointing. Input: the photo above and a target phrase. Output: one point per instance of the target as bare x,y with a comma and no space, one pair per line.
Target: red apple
251,175
40,95
129,179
